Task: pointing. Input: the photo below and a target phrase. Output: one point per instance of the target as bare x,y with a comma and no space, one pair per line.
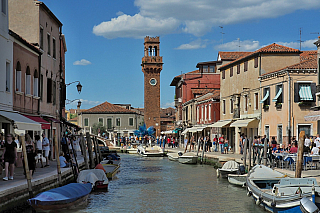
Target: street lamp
79,86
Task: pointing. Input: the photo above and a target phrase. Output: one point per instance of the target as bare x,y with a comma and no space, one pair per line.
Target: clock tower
151,68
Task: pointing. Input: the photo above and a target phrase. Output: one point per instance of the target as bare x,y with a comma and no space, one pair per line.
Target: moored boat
150,151
278,193
96,177
65,197
230,167
188,158
236,179
174,156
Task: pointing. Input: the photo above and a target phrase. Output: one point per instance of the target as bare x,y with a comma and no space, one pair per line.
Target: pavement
238,158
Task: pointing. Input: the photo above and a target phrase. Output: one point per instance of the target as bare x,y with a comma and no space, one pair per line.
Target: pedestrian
307,144
45,148
200,142
39,149
215,142
30,149
9,156
315,150
193,142
226,146
64,144
185,142
241,143
293,149
209,144
273,142
221,144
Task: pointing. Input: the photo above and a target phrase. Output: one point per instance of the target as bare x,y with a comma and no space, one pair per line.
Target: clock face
153,81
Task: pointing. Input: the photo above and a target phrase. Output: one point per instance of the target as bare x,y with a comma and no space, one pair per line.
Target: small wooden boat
96,177
230,167
278,193
112,158
66,197
188,158
239,180
150,151
174,156
109,168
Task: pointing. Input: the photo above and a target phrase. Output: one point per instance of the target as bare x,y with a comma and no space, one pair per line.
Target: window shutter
231,71
313,91
238,69
296,93
255,62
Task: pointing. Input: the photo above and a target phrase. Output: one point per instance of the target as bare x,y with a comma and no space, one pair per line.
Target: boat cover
61,195
99,166
92,176
231,164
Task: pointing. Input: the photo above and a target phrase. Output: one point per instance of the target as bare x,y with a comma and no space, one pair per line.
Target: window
205,112
202,113
256,100
49,90
4,6
8,86
210,112
231,71
100,120
35,83
212,69
41,38
130,121
266,96
18,80
306,128
205,68
304,91
255,62
118,122
223,74
246,103
41,86
109,123
279,133
238,69
279,97
49,47
86,122
53,47
198,118
266,131
245,66
28,81
54,92
231,106
224,106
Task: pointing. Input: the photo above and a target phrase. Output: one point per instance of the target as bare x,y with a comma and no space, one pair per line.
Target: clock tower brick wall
151,67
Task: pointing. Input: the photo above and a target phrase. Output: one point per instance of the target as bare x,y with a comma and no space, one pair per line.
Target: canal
160,185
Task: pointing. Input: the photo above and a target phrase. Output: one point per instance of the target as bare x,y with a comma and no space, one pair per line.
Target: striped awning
277,95
220,123
265,97
305,92
245,123
312,116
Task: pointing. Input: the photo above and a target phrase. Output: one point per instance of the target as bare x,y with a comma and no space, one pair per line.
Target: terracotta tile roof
106,107
272,48
232,55
201,90
308,54
214,95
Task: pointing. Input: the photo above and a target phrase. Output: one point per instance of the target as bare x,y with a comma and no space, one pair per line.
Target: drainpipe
289,107
260,123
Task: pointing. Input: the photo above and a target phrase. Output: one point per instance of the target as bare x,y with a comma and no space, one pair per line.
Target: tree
98,126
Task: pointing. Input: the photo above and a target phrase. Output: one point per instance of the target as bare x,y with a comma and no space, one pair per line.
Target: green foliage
73,116
97,126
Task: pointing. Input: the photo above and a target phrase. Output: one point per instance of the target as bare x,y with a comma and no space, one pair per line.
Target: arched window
35,83
155,51
28,81
18,77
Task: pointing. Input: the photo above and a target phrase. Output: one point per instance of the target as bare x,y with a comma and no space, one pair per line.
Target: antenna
222,33
300,38
239,43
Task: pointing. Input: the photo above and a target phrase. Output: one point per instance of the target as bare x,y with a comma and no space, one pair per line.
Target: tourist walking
221,144
226,146
216,142
39,150
30,149
9,156
45,148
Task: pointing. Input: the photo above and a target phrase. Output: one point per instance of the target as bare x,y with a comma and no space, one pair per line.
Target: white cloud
170,104
309,44
82,62
120,13
159,17
90,102
246,45
197,44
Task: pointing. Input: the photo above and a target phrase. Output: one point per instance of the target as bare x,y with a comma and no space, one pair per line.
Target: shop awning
200,128
220,123
193,129
277,95
51,119
265,97
245,123
185,131
44,123
22,122
312,116
305,92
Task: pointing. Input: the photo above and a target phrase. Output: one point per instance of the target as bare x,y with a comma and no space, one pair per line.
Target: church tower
151,67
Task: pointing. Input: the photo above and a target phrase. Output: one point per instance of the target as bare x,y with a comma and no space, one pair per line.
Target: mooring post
26,166
245,146
265,150
88,137
84,151
250,148
57,153
300,155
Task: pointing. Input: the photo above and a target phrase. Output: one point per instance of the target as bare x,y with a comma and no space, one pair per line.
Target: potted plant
265,107
278,105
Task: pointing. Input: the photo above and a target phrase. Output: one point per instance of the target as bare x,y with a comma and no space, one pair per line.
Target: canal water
159,185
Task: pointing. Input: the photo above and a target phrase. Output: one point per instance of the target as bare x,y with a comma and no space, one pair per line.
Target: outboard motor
242,169
180,153
307,206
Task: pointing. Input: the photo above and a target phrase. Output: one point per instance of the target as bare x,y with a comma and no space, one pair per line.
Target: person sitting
293,149
63,162
315,150
277,149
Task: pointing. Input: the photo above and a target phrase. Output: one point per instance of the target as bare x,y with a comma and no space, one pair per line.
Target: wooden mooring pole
57,152
84,150
245,154
300,155
91,162
26,166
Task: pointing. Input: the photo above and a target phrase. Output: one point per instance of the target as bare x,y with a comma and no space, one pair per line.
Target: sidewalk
16,190
238,158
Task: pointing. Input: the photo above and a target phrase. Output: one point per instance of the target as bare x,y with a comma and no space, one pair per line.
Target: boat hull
239,180
154,151
188,159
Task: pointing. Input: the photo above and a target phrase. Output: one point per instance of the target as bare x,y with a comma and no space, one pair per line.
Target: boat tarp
231,164
92,176
62,195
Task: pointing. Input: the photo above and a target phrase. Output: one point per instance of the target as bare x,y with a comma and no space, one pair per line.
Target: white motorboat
174,156
150,151
96,177
132,150
236,179
278,193
230,167
188,158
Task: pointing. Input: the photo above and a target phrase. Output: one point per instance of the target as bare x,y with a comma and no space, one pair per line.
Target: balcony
236,113
177,102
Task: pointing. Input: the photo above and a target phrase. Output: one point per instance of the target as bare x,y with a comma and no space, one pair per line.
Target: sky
105,39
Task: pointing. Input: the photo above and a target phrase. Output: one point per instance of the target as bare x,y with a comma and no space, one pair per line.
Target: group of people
10,156
207,145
